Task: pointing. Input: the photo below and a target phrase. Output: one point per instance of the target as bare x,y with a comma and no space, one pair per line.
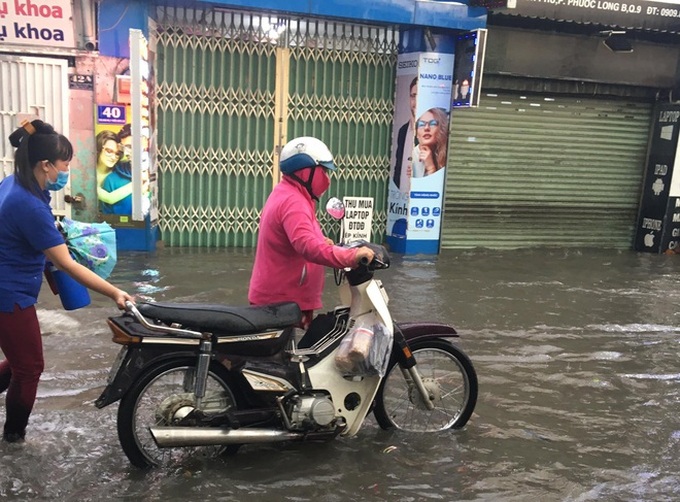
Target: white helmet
304,152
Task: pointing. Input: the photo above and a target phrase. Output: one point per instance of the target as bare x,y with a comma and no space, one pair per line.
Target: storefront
230,84
234,83
555,153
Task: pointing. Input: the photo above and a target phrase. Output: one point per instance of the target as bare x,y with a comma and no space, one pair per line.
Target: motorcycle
200,379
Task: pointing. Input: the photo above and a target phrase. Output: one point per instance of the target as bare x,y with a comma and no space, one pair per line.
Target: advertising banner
670,240
419,151
46,23
658,229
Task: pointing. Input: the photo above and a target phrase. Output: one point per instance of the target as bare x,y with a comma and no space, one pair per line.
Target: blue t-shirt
26,229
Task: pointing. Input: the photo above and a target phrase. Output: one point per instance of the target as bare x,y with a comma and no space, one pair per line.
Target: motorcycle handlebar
381,263
381,258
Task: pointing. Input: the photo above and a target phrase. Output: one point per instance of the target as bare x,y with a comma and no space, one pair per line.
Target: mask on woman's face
59,183
320,182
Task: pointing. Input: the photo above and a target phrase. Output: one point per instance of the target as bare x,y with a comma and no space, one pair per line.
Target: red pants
20,372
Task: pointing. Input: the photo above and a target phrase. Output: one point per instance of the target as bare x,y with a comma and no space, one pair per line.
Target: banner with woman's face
419,151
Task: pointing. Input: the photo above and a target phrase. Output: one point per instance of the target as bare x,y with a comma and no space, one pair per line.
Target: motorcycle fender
415,331
137,360
412,332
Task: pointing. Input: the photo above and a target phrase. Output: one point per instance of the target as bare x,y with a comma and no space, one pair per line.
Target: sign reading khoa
43,23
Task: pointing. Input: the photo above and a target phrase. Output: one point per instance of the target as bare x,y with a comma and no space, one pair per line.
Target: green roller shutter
226,89
528,170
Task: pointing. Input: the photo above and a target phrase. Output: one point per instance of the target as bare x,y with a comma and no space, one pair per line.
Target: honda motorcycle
198,379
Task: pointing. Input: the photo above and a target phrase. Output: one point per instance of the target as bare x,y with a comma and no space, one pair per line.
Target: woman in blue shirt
28,235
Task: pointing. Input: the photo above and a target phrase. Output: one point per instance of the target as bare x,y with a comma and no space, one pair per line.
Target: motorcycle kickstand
412,376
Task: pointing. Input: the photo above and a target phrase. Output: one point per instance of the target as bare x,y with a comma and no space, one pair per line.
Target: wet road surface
577,354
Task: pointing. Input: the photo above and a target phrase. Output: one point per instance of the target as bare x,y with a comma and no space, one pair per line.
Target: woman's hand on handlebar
364,255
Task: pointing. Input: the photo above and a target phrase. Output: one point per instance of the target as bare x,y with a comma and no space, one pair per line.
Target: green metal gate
233,87
529,170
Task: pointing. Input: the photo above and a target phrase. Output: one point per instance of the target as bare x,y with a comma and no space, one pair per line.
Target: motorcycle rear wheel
161,395
450,378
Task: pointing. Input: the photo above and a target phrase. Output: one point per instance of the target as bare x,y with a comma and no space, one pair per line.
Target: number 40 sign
111,114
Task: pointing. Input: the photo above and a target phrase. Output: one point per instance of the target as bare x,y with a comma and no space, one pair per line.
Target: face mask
320,182
59,183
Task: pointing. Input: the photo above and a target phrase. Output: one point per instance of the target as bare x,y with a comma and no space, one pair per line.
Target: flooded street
577,354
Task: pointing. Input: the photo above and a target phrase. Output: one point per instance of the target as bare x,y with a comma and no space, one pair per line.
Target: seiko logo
408,64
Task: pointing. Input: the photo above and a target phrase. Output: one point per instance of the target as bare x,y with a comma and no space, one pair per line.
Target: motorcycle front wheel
448,376
161,397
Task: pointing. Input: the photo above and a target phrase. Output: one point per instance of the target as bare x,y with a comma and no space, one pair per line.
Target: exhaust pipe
172,437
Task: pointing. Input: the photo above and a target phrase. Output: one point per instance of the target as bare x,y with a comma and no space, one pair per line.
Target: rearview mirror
335,208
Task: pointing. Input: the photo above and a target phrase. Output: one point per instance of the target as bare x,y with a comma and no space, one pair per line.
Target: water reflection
576,353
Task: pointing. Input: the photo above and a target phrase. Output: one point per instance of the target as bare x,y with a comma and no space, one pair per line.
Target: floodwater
577,353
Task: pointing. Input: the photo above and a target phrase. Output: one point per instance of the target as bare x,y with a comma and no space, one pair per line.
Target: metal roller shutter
229,95
528,170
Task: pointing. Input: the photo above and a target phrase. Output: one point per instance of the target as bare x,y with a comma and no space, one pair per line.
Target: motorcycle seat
223,319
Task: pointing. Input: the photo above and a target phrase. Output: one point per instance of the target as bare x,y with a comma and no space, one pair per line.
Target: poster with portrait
435,74
419,151
113,166
403,134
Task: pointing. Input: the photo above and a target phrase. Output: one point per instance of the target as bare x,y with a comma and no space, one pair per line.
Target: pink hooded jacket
292,251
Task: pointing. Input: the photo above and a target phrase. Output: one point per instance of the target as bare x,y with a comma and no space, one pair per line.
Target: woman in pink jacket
291,248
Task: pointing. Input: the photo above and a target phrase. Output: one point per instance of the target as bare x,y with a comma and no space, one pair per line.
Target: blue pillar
116,17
